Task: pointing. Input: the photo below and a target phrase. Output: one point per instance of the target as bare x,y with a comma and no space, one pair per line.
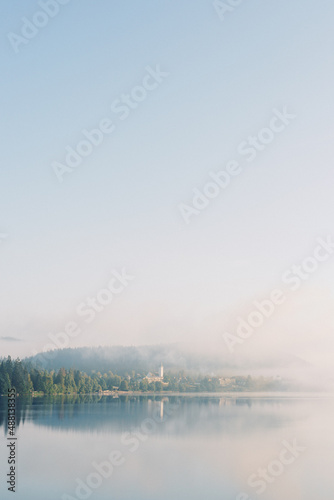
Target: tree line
26,379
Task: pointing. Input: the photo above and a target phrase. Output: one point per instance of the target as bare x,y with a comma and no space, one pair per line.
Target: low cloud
11,339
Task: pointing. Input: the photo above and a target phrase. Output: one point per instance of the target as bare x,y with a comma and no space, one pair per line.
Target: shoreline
278,394
225,394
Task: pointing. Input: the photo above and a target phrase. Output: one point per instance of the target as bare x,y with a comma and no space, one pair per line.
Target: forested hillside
175,357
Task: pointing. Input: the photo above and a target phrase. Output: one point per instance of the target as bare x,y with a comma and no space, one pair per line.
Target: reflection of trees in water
26,406
177,415
21,408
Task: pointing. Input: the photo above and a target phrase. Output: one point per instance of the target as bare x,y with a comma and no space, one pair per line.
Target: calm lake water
176,448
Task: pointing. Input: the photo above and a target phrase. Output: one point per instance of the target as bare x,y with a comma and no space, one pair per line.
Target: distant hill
124,359
175,357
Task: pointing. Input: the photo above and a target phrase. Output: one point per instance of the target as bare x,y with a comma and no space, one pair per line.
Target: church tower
161,371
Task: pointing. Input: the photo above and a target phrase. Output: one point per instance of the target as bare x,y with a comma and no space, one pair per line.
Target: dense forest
27,378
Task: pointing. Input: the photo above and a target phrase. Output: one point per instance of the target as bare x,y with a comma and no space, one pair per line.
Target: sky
215,77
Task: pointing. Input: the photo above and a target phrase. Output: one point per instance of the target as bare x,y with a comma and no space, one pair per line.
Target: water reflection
196,414
173,447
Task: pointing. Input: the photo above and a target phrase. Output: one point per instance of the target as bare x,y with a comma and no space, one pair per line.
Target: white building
156,377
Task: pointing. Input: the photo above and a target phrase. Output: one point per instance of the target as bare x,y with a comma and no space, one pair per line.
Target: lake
235,447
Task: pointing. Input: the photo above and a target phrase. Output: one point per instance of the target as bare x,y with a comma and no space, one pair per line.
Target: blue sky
119,207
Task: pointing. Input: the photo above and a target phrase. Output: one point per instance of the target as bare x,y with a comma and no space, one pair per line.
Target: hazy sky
119,209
